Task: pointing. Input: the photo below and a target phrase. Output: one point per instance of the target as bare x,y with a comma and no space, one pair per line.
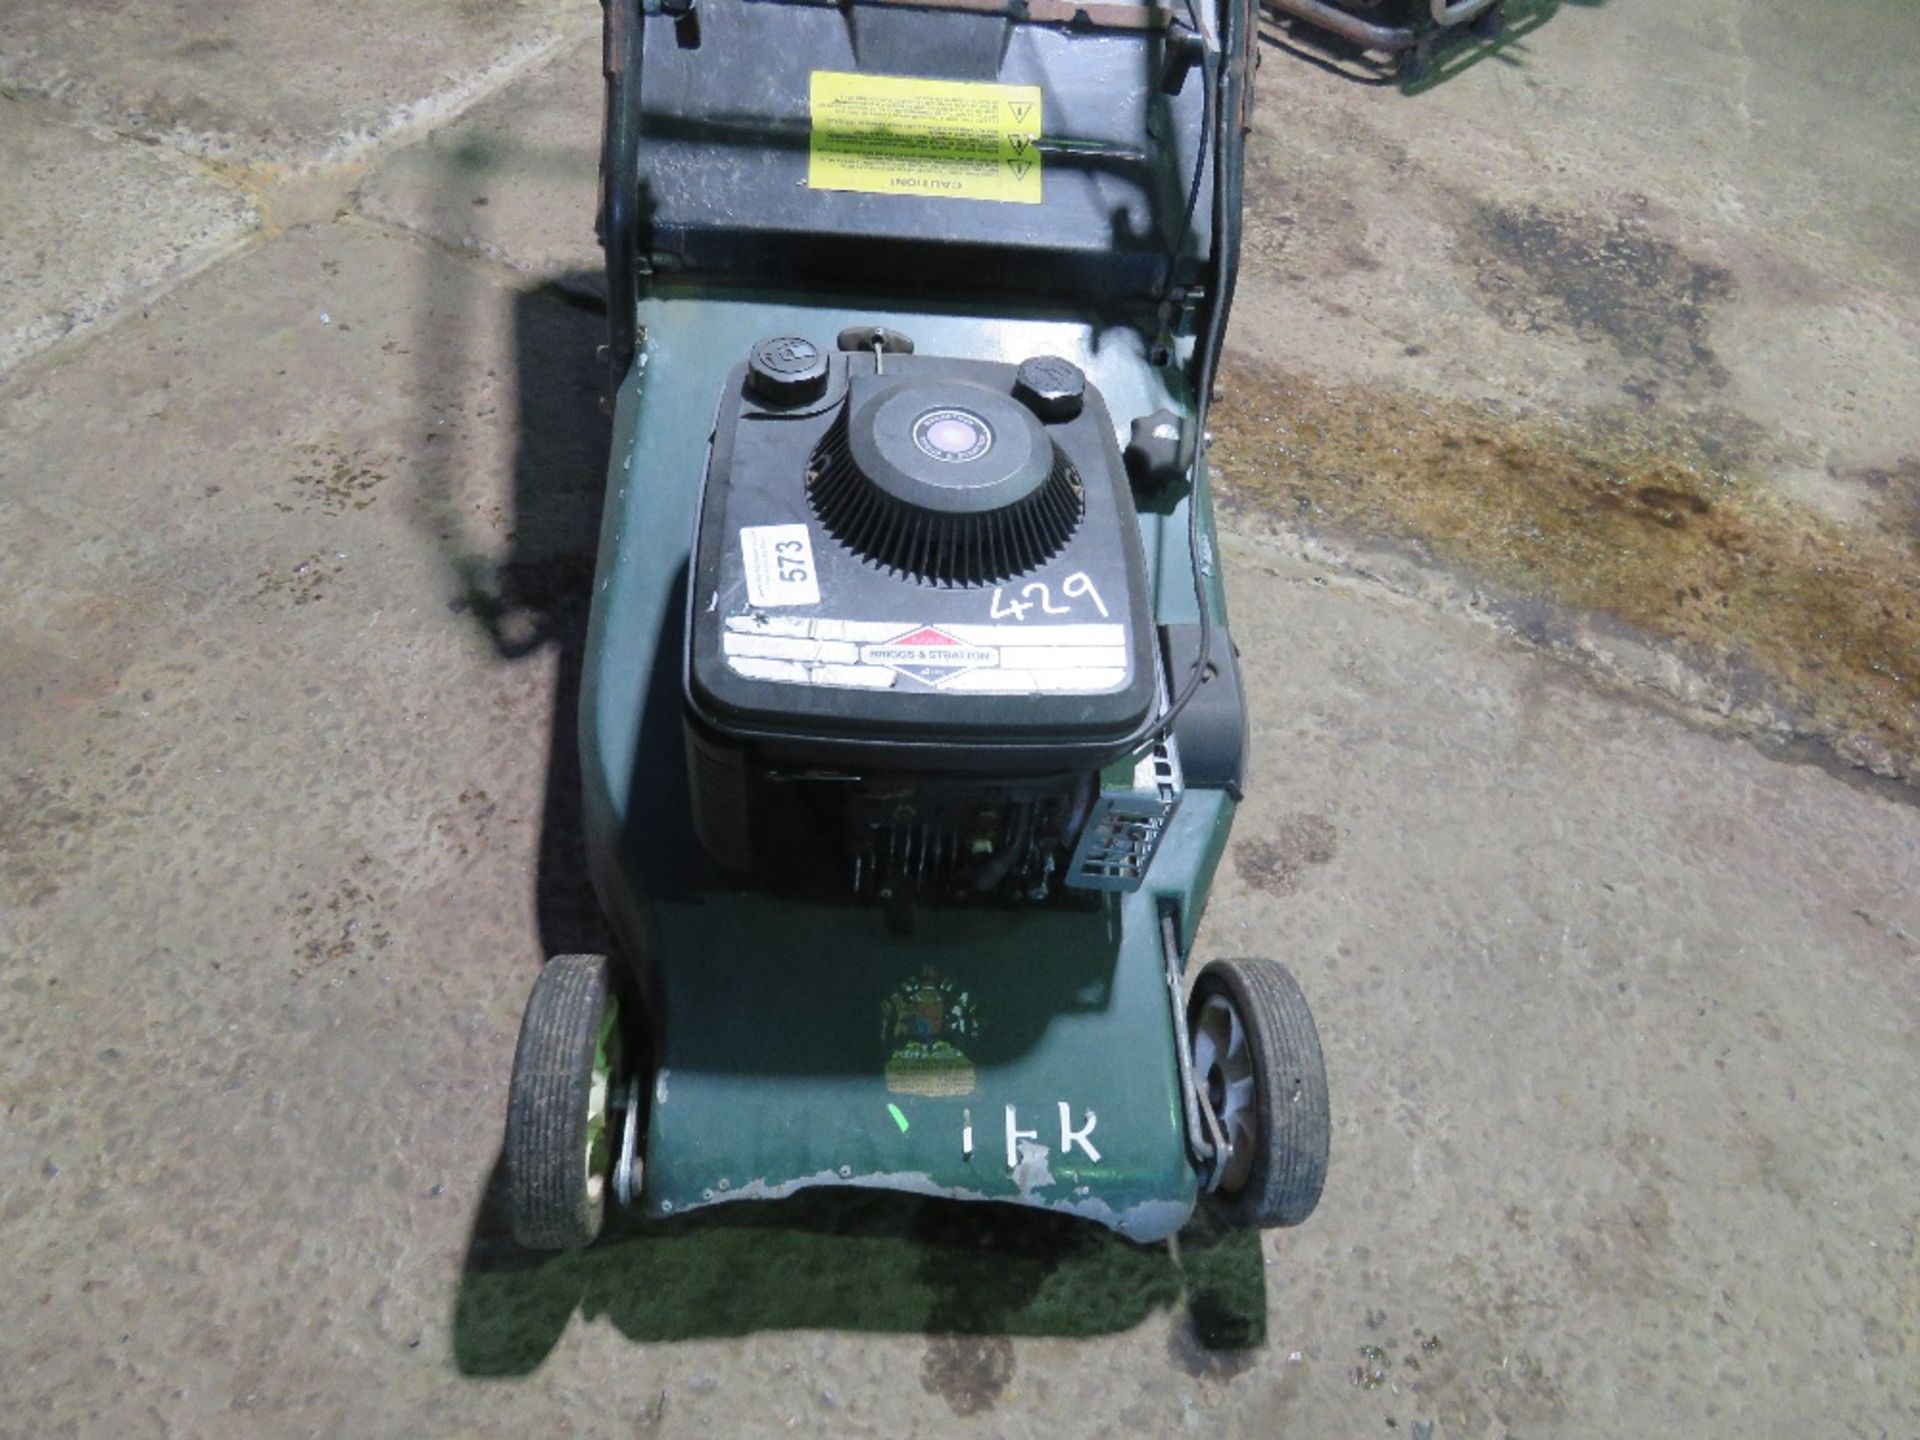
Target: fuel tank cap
1052,387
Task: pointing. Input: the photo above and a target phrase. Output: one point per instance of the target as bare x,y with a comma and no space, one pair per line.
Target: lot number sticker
778,560
897,135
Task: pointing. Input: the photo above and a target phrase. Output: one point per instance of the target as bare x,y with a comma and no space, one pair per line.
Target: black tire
554,1202
1288,1123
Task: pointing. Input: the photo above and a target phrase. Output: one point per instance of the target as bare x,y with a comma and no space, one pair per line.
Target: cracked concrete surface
507,180
272,84
93,224
1619,1003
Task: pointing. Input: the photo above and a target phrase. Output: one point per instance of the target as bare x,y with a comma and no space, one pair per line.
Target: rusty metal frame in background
1394,39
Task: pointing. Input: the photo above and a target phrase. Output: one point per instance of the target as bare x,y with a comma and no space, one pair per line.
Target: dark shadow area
539,597
1451,52
530,596
522,572
851,1260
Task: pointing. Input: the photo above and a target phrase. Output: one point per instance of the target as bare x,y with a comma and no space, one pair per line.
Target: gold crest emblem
928,1024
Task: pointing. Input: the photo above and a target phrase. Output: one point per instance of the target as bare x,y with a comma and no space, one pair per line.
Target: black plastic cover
725,131
1212,730
1054,670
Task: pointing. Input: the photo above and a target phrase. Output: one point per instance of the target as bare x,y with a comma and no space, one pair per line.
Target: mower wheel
1256,1055
559,1141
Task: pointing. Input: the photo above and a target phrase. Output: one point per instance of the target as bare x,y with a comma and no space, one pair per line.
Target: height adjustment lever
874,337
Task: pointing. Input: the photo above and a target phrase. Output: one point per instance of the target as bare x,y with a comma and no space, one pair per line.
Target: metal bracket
626,1170
1207,1145
1222,1146
620,219
1124,828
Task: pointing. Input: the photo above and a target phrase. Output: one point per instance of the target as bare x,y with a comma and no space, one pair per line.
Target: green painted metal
801,1045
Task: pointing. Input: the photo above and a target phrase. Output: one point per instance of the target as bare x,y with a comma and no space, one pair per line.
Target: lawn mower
910,723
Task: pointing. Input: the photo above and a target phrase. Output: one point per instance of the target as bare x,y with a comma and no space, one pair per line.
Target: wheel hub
1224,1060
606,1063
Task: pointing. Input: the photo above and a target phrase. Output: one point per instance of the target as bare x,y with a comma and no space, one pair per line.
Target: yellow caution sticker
898,135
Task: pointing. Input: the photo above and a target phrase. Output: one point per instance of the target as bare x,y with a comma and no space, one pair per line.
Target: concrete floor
1609,923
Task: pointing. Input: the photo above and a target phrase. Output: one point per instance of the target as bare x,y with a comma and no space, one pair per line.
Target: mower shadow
874,1262
532,600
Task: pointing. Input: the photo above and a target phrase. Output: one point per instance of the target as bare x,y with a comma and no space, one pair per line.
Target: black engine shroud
918,623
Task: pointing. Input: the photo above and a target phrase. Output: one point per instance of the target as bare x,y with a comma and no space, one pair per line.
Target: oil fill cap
787,370
1052,388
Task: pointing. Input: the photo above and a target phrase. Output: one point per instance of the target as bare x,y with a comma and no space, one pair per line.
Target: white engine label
1016,659
778,560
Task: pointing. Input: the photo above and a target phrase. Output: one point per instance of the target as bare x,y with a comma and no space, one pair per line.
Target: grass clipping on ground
1824,617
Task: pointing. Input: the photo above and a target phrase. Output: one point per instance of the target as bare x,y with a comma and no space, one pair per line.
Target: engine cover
907,563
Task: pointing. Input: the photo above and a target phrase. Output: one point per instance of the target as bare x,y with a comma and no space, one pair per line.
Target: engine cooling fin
955,545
